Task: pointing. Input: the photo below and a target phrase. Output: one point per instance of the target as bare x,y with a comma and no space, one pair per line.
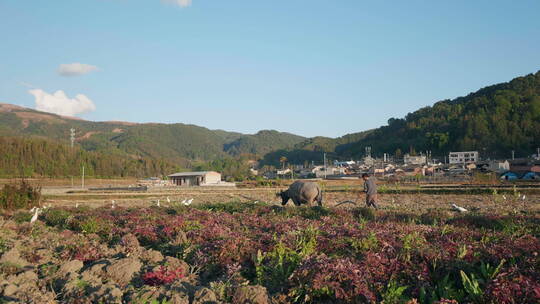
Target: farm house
202,178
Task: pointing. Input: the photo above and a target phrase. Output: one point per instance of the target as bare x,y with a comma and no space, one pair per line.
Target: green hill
494,120
178,143
31,157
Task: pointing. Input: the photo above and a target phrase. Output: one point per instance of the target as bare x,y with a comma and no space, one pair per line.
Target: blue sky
308,67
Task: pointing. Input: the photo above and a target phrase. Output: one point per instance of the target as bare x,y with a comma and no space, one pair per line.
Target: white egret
458,208
35,216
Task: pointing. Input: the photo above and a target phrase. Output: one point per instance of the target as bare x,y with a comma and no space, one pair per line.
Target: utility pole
513,154
72,136
82,184
324,160
72,139
538,153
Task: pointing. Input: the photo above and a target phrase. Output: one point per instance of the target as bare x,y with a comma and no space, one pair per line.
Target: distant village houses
414,159
455,158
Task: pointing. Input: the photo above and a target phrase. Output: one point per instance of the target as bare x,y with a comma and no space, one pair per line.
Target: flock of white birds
187,202
37,211
461,209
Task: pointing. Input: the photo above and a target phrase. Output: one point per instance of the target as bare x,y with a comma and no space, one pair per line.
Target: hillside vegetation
179,143
43,158
494,120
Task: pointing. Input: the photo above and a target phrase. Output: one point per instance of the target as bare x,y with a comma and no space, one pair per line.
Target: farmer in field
370,188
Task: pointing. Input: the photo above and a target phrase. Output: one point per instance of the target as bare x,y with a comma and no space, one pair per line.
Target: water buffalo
302,192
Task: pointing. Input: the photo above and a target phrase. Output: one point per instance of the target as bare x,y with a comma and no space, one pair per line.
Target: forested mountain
178,143
262,143
494,120
31,157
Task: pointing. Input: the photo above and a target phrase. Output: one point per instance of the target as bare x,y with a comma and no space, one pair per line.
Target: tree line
31,157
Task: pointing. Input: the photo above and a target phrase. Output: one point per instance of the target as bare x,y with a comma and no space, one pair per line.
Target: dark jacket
370,187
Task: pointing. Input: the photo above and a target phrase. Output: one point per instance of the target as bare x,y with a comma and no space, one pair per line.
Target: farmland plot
243,252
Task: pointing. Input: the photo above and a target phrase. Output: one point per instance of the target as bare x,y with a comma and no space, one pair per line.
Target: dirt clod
251,295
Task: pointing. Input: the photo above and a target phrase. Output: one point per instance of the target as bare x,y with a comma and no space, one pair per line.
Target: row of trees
30,157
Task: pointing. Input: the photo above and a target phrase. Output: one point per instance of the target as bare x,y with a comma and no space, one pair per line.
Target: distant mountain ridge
180,143
493,120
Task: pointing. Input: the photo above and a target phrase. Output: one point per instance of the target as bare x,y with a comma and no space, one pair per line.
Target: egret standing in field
168,200
113,204
158,204
188,202
35,217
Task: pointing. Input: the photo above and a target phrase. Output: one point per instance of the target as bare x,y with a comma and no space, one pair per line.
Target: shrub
22,217
323,278
229,207
311,213
365,244
56,218
394,293
163,276
90,225
433,217
19,196
274,268
364,213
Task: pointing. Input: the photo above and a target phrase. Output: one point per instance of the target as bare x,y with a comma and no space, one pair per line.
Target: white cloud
76,69
181,3
59,103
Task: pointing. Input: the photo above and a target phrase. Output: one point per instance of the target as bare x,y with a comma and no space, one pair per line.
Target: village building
522,166
202,178
498,167
368,161
463,157
322,173
414,159
470,166
344,163
284,172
